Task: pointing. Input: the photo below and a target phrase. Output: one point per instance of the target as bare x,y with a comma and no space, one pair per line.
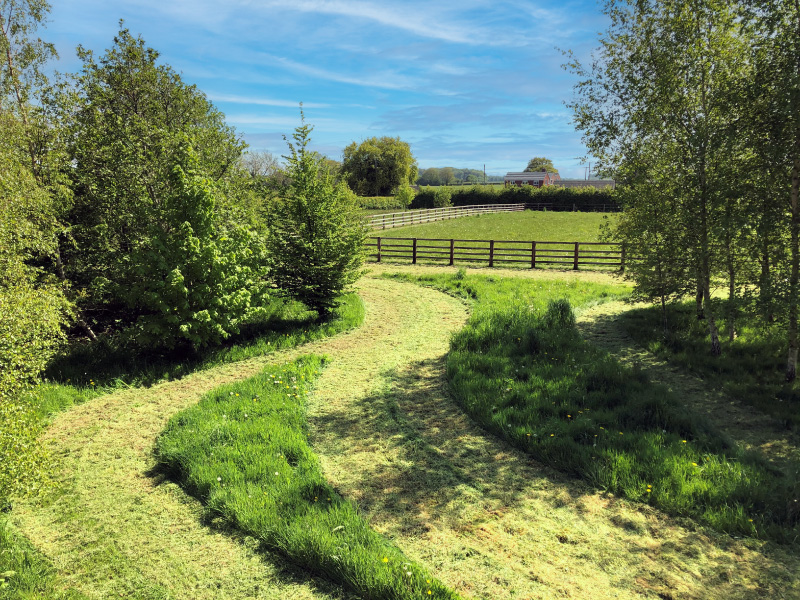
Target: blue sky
465,83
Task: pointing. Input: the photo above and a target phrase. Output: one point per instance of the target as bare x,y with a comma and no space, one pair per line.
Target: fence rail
429,215
533,254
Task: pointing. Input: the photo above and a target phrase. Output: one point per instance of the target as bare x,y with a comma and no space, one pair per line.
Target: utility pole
484,173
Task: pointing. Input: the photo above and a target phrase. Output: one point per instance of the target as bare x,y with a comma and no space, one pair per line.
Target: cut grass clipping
243,451
521,369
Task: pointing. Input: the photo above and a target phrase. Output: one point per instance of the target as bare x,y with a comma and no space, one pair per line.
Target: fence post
575,263
414,252
622,258
491,253
452,251
533,255
379,249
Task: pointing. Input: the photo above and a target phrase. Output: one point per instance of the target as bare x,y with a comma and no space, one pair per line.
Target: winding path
483,517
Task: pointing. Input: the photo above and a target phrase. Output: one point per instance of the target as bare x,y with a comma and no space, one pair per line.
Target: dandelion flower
386,560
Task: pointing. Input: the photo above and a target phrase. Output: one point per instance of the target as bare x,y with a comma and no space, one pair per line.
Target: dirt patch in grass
745,425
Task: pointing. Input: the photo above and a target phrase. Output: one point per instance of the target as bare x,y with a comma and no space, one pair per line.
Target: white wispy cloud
424,20
259,101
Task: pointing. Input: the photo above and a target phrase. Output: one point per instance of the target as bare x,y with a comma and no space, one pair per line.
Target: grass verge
751,368
522,371
243,451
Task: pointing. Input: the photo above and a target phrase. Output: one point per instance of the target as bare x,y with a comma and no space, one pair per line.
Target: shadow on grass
449,464
112,363
740,393
751,368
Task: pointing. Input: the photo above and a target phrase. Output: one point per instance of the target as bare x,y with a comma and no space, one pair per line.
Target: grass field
92,371
539,226
482,515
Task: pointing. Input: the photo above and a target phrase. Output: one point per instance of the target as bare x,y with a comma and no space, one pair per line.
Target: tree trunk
698,299
791,361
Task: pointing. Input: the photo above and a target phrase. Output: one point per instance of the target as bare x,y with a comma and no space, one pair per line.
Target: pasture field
528,225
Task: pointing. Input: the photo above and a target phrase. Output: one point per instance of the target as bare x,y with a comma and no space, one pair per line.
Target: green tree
540,164
131,116
447,175
775,131
316,233
33,308
430,177
661,89
196,279
378,166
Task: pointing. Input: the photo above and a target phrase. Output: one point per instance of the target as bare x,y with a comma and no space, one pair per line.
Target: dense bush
557,198
382,203
196,279
32,310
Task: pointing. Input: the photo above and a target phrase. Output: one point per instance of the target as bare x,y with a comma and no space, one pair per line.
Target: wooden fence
415,217
498,252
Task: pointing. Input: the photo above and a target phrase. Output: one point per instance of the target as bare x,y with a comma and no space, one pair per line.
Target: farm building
535,178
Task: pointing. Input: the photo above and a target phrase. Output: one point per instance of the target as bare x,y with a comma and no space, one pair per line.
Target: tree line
127,213
694,108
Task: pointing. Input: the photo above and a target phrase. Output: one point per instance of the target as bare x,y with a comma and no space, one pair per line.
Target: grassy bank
524,226
243,451
521,370
751,368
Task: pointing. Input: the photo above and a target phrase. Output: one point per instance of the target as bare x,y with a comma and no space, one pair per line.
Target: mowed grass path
486,519
528,225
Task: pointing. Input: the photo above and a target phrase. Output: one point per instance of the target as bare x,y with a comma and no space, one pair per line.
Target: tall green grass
243,451
520,368
25,573
751,368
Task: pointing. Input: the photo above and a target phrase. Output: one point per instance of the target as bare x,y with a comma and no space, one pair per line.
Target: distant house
534,178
